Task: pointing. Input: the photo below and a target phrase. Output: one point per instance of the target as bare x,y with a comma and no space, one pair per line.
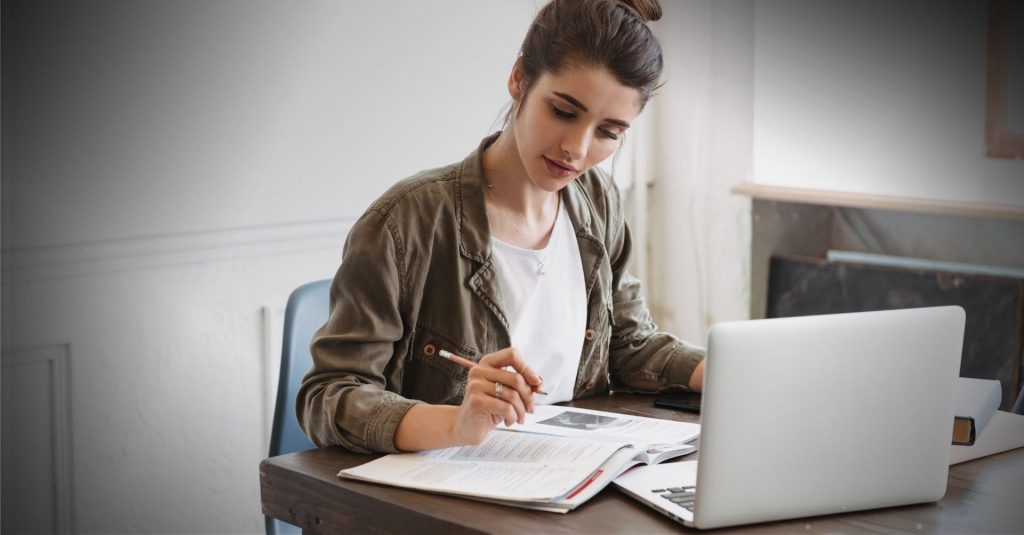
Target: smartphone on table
684,401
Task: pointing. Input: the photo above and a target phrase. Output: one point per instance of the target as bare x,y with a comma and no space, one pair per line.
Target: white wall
700,147
851,96
177,117
172,169
877,97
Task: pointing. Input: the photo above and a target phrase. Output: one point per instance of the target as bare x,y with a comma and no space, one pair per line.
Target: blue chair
306,311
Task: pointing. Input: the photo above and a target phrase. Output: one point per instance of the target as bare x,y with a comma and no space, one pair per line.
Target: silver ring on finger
498,389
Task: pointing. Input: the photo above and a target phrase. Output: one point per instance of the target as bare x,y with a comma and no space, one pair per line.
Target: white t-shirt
546,304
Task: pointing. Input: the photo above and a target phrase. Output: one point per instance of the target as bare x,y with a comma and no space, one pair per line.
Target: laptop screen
821,414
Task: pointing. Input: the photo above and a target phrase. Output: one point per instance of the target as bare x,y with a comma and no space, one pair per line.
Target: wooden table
984,496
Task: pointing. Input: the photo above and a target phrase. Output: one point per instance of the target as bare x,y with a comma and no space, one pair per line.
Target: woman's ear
516,80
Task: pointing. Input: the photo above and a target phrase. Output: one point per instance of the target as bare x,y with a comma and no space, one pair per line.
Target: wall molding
149,252
56,358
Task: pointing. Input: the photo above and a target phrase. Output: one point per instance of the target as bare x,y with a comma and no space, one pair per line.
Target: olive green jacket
418,276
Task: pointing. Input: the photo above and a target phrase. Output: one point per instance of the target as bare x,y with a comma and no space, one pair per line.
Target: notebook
815,415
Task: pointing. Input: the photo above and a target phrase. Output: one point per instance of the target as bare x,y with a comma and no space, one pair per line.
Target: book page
618,463
508,466
642,432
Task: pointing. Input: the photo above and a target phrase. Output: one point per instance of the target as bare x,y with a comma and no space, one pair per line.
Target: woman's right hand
495,394
481,410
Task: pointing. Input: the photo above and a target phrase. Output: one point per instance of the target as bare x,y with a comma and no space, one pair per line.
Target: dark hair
610,34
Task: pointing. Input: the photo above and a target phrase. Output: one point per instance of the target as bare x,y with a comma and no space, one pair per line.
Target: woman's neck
519,212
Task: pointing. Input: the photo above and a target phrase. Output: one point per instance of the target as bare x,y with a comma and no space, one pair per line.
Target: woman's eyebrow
572,100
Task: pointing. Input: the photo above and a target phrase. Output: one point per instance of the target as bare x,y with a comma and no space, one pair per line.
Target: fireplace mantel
878,202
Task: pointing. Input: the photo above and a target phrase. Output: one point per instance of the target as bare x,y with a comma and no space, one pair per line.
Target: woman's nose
574,144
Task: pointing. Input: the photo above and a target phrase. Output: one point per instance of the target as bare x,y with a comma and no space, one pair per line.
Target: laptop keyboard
681,496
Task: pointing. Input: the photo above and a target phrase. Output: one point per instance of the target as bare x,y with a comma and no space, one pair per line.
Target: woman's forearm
427,427
697,377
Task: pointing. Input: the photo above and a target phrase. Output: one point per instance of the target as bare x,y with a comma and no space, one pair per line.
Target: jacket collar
474,230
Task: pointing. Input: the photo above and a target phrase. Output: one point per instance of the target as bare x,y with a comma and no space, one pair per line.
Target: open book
557,460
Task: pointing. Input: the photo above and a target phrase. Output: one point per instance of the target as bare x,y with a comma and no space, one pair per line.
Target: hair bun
645,10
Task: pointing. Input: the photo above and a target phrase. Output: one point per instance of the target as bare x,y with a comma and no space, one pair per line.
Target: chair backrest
306,312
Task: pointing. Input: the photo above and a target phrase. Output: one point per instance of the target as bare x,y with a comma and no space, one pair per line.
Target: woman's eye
608,134
562,113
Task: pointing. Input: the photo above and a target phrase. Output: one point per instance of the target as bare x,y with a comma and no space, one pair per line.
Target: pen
466,363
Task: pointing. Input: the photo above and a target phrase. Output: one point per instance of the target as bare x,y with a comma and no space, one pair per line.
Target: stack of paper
1005,431
978,428
975,400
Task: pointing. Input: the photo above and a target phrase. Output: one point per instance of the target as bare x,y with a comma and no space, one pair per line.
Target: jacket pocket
430,377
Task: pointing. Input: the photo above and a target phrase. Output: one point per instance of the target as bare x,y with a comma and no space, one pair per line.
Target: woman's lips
557,169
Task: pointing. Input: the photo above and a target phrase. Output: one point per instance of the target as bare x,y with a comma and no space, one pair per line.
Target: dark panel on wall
995,306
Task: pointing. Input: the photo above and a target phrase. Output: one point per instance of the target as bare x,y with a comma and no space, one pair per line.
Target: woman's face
570,122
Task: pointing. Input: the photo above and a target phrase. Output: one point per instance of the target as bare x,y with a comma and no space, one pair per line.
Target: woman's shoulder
428,188
596,181
600,190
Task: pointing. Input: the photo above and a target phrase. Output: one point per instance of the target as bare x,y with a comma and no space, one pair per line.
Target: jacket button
591,384
429,350
591,334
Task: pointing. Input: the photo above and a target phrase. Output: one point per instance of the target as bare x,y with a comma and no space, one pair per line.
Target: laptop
816,415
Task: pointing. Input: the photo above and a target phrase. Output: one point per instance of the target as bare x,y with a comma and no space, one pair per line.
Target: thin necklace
540,256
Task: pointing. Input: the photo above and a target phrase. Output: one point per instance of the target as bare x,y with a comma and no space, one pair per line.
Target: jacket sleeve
638,352
343,398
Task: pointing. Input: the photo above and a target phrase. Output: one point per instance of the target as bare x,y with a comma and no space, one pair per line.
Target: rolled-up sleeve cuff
681,364
669,371
384,423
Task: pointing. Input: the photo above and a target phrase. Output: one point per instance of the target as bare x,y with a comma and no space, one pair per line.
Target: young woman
515,258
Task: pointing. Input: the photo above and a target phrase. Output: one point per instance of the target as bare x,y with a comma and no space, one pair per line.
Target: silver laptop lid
821,414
